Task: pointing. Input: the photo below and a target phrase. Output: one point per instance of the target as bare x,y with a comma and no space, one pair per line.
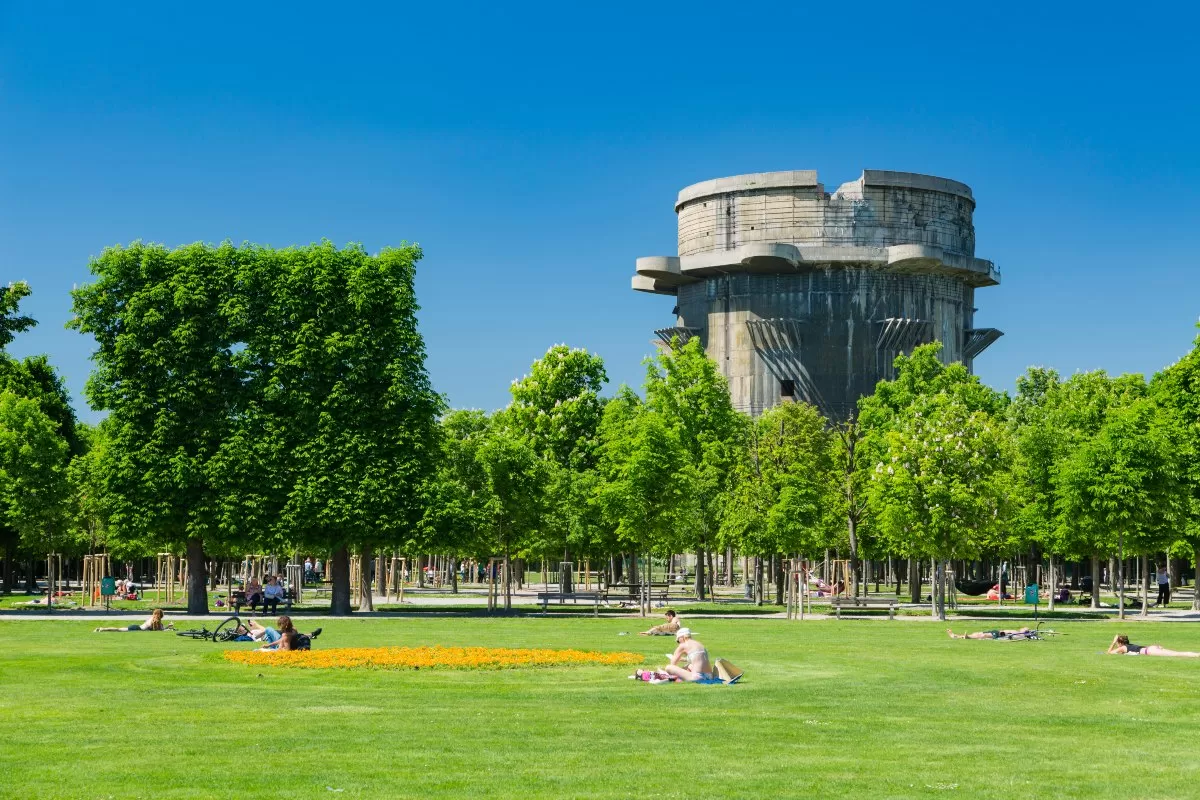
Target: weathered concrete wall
795,289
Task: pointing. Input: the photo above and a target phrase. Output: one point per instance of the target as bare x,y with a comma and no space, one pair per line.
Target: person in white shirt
273,593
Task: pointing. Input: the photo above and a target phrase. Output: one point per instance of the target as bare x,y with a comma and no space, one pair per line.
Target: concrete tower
799,294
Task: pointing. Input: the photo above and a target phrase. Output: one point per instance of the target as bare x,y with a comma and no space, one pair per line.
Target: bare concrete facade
802,294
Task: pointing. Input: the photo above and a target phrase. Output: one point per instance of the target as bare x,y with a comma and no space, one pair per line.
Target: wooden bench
545,597
865,604
237,599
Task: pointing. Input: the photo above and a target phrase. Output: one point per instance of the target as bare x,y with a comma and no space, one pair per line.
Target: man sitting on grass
668,628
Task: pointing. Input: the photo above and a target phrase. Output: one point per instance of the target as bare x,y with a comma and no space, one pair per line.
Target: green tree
1177,389
1125,489
939,489
640,492
685,388
11,322
33,471
337,434
784,484
456,498
165,373
557,406
514,475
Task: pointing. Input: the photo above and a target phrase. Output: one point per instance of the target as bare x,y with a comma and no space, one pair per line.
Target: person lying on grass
698,668
155,623
288,637
1121,646
666,629
995,633
282,639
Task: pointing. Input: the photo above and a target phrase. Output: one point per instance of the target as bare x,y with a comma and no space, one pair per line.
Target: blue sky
535,152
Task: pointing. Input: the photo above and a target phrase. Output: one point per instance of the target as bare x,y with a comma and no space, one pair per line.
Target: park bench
855,604
595,597
237,599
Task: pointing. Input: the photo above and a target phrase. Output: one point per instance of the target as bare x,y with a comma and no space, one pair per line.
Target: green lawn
853,709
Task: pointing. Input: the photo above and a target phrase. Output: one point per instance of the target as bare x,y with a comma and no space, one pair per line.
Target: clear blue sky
535,152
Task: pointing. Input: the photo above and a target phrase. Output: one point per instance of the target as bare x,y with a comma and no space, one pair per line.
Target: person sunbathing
1121,646
699,667
155,623
668,628
995,633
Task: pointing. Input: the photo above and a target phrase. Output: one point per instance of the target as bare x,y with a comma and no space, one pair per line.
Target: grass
850,709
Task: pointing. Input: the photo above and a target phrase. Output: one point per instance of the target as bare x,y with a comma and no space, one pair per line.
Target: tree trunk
777,564
728,567
1095,581
339,576
197,577
366,588
1052,582
1146,587
30,578
8,568
1120,578
701,584
634,576
1195,581
507,578
453,575
914,580
852,525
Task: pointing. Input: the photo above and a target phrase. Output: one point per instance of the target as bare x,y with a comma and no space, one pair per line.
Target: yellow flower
431,658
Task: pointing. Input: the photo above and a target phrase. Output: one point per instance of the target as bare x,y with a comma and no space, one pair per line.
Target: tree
514,475
685,388
165,373
1126,487
1177,390
337,434
557,406
784,484
12,323
640,493
33,471
888,419
456,497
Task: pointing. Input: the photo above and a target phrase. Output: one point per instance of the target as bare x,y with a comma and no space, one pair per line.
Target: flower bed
432,658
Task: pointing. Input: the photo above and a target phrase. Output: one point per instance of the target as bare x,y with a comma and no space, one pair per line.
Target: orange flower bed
431,658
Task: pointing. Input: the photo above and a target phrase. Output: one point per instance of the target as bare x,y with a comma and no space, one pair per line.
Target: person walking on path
1164,586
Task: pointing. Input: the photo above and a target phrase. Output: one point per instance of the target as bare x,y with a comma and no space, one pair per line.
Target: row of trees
277,400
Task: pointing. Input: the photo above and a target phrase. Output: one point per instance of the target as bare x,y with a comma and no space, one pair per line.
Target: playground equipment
95,569
164,577
295,580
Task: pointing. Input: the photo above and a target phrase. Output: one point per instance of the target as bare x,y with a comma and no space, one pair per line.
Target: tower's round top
807,178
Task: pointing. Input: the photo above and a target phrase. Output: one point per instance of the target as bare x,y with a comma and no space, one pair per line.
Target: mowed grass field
864,708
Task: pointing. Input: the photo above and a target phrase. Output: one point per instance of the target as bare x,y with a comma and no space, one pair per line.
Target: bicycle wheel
194,634
227,630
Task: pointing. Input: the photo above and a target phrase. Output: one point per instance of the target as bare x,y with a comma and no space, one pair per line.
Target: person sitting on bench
254,594
273,593
1121,646
699,667
995,633
668,628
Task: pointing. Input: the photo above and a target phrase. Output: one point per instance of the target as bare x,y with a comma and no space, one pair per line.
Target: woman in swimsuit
155,623
698,668
1121,646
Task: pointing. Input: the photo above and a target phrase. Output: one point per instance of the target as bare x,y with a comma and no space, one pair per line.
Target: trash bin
1031,594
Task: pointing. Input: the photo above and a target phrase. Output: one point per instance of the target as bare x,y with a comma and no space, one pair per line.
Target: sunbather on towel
699,668
995,633
1121,646
155,623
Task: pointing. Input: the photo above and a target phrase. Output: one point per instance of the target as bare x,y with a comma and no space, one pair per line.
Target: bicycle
228,630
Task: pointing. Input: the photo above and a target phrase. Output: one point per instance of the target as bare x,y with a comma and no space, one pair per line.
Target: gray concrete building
802,294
